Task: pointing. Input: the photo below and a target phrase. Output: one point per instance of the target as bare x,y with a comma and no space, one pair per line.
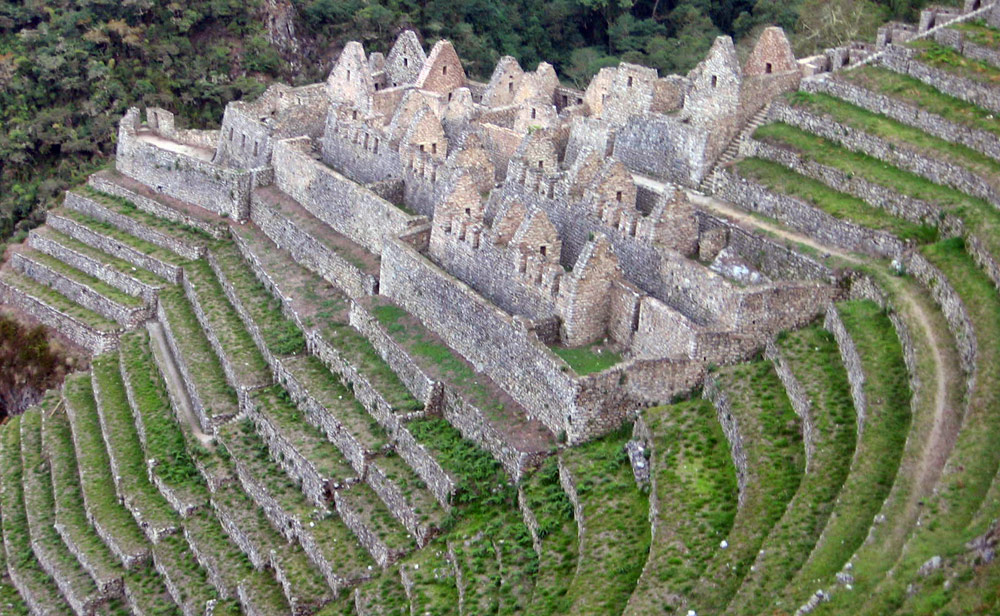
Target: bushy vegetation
29,364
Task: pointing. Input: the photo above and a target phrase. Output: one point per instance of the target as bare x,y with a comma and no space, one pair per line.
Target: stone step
114,422
113,183
146,594
110,519
224,563
108,239
82,326
212,398
186,581
35,586
373,523
406,495
244,366
187,244
83,289
327,541
116,272
314,244
76,586
70,517
258,595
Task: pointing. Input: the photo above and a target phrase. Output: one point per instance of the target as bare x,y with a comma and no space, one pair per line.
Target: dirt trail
174,380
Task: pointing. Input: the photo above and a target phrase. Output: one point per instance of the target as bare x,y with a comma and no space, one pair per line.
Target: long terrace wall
348,207
938,171
714,393
805,218
901,111
903,60
78,332
959,41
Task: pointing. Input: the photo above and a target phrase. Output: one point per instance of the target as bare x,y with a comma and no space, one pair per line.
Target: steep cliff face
279,16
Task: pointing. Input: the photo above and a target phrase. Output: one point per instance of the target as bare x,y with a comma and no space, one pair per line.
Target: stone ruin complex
401,211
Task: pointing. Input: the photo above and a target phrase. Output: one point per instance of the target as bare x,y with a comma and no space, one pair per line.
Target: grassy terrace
204,531
981,217
772,441
615,515
205,369
927,98
813,357
164,440
145,586
384,595
434,589
95,469
972,466
947,59
245,358
11,602
879,448
696,493
108,230
336,397
115,420
274,404
589,359
39,505
839,205
476,563
339,545
173,555
20,557
363,356
557,532
127,208
101,287
280,335
377,517
413,488
102,257
897,133
60,302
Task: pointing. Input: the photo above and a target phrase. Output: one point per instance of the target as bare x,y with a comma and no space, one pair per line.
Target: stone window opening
421,147
631,229
541,164
243,141
715,81
468,211
449,97
434,148
406,61
767,68
376,87
366,141
348,75
354,115
542,250
533,113
230,133
444,70
510,86
255,144
434,176
629,81
375,148
618,196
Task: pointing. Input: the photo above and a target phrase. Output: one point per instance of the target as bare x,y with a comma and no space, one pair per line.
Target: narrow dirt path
161,351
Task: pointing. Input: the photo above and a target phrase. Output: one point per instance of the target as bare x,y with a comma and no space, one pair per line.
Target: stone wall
90,207
852,364
960,42
805,218
681,149
115,248
349,208
902,60
798,396
898,109
127,316
101,182
876,195
217,189
71,327
731,428
92,267
903,156
206,422
310,252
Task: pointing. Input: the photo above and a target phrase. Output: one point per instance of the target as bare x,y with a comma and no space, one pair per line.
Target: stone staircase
733,149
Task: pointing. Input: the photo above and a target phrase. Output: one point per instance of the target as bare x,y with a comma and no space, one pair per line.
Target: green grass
203,365
102,228
780,179
281,336
696,493
164,441
245,358
60,302
772,441
363,356
947,59
898,133
615,515
125,207
813,357
478,474
978,32
17,541
102,257
880,447
11,603
589,359
113,293
927,98
557,533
